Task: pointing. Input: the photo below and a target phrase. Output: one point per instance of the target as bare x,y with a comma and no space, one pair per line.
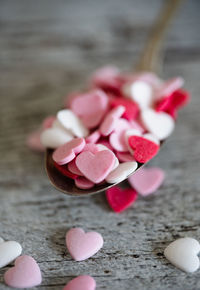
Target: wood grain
48,49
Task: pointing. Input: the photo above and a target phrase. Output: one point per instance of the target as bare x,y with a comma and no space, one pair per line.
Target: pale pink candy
147,180
90,107
25,274
83,183
105,143
94,137
169,87
136,125
73,168
110,121
67,152
149,77
96,167
48,122
90,147
81,283
33,141
124,156
69,98
106,76
102,147
117,138
81,245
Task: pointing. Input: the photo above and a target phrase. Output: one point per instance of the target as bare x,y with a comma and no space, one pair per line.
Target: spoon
149,61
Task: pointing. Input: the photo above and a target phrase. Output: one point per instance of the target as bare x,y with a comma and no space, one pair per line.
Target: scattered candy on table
25,274
9,251
81,283
147,180
182,253
81,245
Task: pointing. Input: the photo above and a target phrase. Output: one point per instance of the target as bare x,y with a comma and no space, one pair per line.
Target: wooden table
48,49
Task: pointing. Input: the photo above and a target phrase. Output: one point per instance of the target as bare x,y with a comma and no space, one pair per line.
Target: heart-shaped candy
71,122
120,199
81,283
25,274
81,245
33,141
90,107
182,253
94,137
121,172
117,138
147,180
83,183
55,137
9,251
169,87
144,149
68,151
96,167
131,109
1,240
140,92
158,123
65,171
110,122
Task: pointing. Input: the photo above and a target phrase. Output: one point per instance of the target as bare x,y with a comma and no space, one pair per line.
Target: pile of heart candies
105,132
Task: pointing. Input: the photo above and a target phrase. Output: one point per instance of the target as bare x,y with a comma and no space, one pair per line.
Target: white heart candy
182,253
9,251
71,122
54,137
152,137
121,172
140,92
158,123
1,240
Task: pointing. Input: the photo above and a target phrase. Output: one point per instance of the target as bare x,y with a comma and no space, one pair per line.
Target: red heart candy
144,149
120,199
63,169
173,102
132,109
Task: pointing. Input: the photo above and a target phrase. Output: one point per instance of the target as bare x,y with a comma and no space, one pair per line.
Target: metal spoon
149,61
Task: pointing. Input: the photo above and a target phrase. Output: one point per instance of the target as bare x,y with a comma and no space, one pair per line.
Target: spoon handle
150,59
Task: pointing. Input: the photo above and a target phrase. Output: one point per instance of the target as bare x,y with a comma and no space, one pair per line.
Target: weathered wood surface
49,48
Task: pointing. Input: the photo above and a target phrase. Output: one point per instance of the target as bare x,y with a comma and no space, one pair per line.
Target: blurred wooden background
48,49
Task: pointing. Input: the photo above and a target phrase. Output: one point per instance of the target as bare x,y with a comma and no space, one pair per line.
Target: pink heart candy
48,122
25,274
81,245
83,183
93,137
147,180
68,151
81,283
33,141
110,122
117,138
170,86
90,107
96,167
73,168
